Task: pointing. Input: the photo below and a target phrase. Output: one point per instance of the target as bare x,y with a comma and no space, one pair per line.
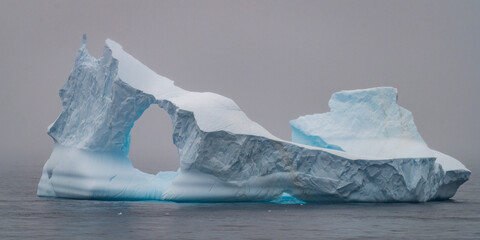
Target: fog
277,59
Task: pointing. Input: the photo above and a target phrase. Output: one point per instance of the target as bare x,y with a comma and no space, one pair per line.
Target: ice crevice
224,156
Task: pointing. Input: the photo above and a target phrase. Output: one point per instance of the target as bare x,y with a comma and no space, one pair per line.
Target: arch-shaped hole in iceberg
151,145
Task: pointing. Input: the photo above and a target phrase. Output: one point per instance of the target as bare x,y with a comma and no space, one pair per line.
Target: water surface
24,215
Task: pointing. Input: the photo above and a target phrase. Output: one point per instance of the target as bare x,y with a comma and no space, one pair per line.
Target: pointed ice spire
84,39
82,52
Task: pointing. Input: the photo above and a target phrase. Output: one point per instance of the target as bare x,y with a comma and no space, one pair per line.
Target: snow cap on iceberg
366,122
369,122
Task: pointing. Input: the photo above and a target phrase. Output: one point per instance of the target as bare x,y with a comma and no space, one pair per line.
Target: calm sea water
23,215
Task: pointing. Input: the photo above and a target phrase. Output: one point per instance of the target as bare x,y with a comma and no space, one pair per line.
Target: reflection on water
23,215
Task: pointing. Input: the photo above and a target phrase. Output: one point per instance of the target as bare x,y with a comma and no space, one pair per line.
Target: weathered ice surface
224,156
370,123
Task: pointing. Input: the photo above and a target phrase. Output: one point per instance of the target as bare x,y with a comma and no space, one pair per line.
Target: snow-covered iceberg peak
98,109
225,156
367,122
370,123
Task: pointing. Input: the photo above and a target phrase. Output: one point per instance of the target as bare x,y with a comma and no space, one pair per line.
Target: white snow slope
224,156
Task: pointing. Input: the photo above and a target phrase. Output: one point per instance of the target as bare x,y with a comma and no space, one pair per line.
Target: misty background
276,59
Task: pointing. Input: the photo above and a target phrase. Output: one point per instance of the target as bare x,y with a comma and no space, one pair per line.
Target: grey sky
277,59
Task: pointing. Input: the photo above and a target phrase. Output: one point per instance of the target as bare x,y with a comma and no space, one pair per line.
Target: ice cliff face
224,156
98,109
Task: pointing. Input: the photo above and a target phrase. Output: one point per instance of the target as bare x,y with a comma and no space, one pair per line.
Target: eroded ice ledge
224,156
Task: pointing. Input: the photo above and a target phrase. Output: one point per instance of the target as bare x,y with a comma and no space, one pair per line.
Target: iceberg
226,157
370,123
